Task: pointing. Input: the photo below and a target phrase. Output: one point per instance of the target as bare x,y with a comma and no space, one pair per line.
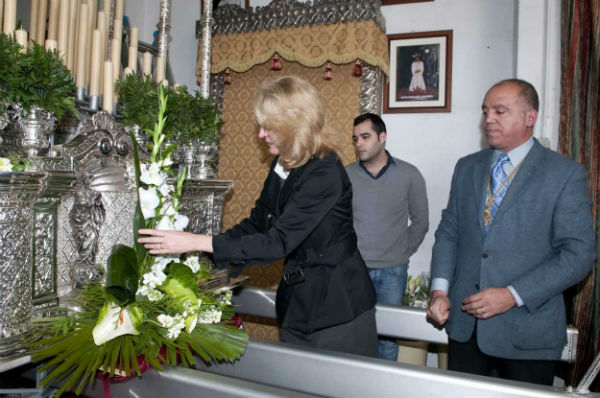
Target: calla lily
149,201
115,321
190,323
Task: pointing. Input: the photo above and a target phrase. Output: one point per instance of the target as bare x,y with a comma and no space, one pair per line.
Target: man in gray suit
516,233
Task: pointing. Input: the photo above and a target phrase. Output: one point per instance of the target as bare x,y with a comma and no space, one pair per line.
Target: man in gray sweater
387,192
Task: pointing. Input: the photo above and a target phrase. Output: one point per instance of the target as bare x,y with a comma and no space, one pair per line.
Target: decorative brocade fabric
310,46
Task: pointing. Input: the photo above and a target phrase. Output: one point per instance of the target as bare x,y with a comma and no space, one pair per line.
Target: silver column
207,22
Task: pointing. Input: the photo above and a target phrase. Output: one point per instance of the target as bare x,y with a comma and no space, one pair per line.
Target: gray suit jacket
541,241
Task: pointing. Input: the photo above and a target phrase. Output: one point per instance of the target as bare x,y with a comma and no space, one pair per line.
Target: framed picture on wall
420,72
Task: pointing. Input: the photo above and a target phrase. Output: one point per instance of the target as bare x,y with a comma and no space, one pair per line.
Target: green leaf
138,217
122,274
181,283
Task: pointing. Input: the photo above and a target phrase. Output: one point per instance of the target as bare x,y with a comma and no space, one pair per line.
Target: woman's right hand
174,242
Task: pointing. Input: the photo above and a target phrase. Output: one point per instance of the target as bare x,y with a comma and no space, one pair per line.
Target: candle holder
95,101
80,94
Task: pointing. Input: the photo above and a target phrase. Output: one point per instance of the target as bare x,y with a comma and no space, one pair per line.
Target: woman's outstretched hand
174,242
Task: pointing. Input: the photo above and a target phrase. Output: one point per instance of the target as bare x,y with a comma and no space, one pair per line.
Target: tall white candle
107,94
118,29
10,17
21,38
119,5
63,29
33,19
1,14
82,46
41,21
133,37
96,62
53,20
92,14
147,64
159,74
115,57
50,44
73,12
132,59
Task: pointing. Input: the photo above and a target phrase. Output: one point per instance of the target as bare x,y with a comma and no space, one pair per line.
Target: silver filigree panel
281,14
371,89
203,202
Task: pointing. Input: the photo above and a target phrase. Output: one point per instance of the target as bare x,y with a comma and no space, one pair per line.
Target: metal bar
182,382
335,374
394,321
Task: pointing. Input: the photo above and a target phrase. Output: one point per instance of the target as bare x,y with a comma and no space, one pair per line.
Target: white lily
115,321
149,201
151,174
5,164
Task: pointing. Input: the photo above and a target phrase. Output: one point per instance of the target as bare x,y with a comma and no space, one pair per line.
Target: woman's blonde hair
292,110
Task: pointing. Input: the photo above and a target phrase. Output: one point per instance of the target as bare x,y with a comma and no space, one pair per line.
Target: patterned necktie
498,187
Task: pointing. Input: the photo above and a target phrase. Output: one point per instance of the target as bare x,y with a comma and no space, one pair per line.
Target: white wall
483,53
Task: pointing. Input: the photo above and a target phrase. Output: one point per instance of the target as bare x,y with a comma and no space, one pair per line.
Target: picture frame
420,72
392,2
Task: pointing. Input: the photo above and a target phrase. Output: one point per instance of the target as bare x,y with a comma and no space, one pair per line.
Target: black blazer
308,221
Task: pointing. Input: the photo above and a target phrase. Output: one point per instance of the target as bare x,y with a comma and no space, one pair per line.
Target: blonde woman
304,214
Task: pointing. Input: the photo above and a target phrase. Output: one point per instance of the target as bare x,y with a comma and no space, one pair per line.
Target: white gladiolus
166,162
151,174
165,224
149,201
166,189
181,221
167,208
5,164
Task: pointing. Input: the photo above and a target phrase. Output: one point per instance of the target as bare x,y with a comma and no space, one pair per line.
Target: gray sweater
382,208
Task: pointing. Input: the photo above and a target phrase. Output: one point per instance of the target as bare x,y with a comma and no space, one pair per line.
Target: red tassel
328,72
357,71
275,63
227,77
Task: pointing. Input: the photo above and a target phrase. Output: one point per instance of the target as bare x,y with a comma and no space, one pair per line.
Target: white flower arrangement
149,304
